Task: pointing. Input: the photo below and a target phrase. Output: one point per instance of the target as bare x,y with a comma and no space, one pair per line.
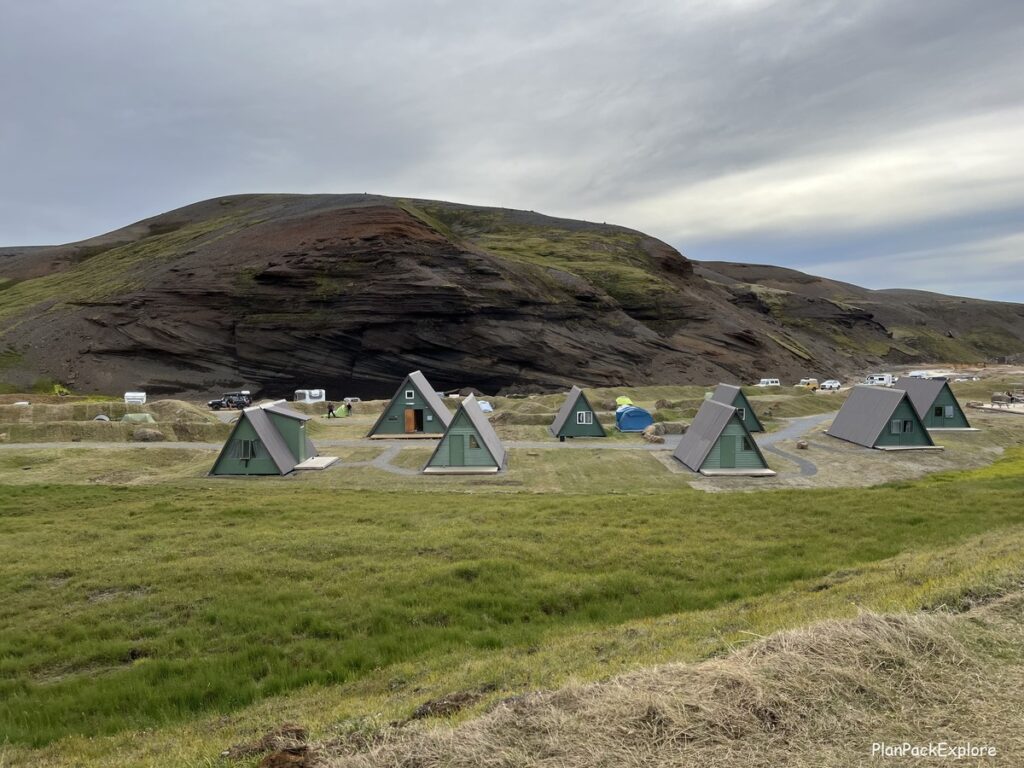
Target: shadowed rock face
350,292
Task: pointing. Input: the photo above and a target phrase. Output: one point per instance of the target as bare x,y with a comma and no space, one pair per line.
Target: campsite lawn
145,606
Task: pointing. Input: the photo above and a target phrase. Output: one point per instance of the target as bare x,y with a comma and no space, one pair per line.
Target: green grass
141,607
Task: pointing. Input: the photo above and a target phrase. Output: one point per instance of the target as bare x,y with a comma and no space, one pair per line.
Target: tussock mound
815,697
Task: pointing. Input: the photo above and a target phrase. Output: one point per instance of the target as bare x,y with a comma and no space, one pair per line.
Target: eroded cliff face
351,292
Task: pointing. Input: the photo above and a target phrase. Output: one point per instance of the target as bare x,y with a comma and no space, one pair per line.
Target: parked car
830,385
352,400
811,384
135,398
768,383
235,400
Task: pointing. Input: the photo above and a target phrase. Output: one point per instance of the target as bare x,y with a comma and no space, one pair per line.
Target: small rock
802,445
291,757
652,438
143,435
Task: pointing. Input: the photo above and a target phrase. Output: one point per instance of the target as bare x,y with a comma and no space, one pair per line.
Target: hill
350,292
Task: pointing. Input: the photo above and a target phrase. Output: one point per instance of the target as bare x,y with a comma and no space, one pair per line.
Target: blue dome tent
629,418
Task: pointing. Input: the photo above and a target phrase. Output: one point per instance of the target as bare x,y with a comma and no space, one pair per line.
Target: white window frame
742,413
948,412
410,394
584,418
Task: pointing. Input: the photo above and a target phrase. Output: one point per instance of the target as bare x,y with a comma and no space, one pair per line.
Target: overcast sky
875,141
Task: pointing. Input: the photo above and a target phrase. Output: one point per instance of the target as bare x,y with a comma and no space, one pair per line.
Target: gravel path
794,429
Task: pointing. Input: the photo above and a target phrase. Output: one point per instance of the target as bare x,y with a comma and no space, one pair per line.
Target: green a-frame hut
576,418
880,417
730,394
268,439
719,443
414,411
935,404
469,445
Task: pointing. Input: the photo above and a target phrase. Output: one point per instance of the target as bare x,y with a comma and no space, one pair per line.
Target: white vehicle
310,395
880,379
768,383
352,400
135,398
831,385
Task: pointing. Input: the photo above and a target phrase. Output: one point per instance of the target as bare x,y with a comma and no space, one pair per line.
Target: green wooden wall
750,419
393,422
294,433
945,399
917,437
462,429
572,429
734,431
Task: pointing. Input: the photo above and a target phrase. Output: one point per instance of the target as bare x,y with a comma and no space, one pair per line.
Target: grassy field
145,607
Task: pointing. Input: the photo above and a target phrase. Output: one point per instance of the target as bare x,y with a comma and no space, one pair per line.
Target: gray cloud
733,129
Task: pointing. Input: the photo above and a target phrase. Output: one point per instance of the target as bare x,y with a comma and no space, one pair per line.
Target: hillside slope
350,292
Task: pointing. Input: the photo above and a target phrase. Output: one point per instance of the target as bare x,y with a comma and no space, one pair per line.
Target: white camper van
881,379
768,383
135,398
310,395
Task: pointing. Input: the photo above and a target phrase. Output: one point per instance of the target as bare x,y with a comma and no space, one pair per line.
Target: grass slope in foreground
132,608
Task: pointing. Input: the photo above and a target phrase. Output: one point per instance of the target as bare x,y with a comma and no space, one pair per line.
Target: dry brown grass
813,697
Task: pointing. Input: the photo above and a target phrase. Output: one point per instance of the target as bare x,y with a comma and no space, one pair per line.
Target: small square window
748,444
410,394
939,411
474,444
908,425
896,427
742,413
584,417
948,412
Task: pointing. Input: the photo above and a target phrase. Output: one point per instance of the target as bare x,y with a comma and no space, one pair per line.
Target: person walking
330,411
348,408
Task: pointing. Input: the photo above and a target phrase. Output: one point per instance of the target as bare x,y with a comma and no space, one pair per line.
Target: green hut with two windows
880,417
719,443
416,410
935,404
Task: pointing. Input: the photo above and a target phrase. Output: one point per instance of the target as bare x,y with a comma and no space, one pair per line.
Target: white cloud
953,168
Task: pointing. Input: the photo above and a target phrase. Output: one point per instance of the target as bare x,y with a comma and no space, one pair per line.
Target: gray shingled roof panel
701,435
436,403
280,408
922,392
865,414
271,439
725,393
485,429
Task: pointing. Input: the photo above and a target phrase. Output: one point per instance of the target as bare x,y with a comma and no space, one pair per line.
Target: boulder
650,437
802,445
143,435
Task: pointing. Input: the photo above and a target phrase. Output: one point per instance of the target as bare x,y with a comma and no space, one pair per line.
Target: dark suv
231,400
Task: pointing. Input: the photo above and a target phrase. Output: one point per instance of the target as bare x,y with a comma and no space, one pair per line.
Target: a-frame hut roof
566,410
866,413
435,403
922,392
728,394
269,435
483,428
703,433
725,393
